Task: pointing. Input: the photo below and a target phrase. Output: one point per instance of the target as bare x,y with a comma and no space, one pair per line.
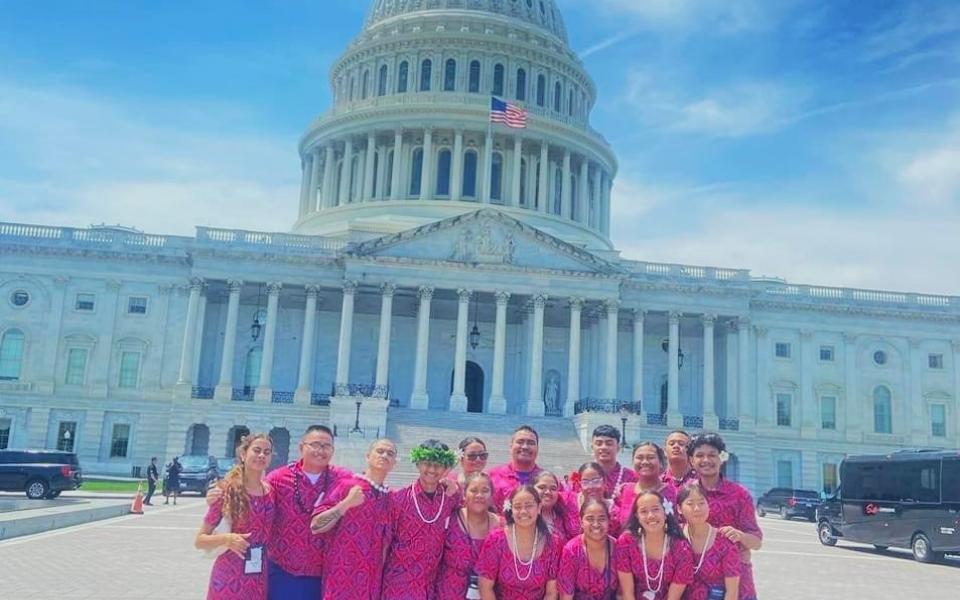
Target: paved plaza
151,556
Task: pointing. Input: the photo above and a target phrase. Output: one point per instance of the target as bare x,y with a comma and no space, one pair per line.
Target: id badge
716,592
253,565
649,595
473,589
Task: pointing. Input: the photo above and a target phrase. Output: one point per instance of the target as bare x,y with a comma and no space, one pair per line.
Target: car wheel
760,511
922,551
825,533
37,489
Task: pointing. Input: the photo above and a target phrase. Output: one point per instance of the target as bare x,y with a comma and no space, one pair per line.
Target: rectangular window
129,370
120,440
784,409
826,353
828,412
950,490
86,302
137,305
782,350
76,366
935,361
66,436
830,478
938,420
5,426
785,473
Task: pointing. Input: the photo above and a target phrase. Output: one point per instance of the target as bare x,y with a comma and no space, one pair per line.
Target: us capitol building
441,267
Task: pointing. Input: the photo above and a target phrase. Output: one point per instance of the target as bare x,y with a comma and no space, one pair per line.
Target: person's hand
731,533
238,544
214,494
450,487
354,498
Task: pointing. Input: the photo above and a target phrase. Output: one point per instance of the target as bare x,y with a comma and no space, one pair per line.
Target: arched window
475,77
388,176
523,182
364,88
251,370
496,177
11,354
541,90
416,172
376,173
402,75
353,84
382,81
498,80
521,85
469,174
557,97
450,75
443,173
882,410
570,104
557,191
426,73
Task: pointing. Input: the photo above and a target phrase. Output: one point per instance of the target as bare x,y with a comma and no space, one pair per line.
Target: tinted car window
920,480
806,494
951,480
195,463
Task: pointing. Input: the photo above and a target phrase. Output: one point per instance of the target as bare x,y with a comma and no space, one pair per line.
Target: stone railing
605,405
834,295
362,390
688,272
99,237
259,240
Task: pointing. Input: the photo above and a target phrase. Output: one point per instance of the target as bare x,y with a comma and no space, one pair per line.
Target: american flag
510,115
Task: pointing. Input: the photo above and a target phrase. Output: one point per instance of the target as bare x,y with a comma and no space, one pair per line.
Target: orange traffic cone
136,507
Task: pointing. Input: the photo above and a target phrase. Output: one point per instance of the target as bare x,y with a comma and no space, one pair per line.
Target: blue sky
817,141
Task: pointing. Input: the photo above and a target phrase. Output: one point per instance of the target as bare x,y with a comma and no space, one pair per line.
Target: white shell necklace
517,561
663,561
443,497
616,487
383,489
711,536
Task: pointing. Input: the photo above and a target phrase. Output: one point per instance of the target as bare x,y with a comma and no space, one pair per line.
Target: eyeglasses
319,446
477,456
593,482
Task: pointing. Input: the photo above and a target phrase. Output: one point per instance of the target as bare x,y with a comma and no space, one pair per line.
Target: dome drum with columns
409,142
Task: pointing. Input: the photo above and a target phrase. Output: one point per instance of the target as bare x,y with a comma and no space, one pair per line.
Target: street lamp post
624,414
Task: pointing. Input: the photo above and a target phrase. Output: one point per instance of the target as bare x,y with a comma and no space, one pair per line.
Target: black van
908,499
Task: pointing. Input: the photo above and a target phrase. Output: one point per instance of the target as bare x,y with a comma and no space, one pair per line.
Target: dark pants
151,488
284,586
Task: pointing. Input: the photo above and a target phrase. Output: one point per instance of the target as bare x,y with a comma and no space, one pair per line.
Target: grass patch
106,485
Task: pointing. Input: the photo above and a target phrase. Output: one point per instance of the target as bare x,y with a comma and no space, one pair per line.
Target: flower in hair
667,507
575,479
445,457
507,505
724,456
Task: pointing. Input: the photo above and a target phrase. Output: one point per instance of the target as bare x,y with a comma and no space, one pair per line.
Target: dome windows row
523,83
542,13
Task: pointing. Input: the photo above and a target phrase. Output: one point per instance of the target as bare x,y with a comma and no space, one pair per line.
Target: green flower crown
420,454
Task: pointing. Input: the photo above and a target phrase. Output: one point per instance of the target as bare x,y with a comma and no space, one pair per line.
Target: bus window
951,480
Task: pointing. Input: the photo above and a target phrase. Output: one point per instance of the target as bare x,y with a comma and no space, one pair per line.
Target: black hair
607,431
590,465
433,444
470,440
706,439
153,458
542,526
633,523
661,455
526,428
559,508
318,428
591,502
678,431
688,489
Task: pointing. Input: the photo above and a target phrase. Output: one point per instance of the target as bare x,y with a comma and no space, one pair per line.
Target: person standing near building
172,480
153,475
649,460
606,448
473,459
678,471
522,468
466,533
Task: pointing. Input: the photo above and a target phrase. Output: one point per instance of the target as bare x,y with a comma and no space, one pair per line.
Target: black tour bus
907,499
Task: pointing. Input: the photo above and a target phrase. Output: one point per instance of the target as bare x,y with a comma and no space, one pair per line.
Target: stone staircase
560,448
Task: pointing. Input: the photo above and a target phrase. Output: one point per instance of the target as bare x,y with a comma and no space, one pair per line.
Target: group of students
669,528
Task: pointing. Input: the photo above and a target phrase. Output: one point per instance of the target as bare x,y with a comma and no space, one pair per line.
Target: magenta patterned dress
678,567
619,476
497,563
413,561
356,546
732,505
460,554
722,561
578,578
505,479
227,580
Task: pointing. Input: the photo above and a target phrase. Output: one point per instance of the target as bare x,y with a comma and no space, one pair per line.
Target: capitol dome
408,139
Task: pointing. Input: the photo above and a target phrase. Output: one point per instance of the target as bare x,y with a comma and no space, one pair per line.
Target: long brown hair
236,502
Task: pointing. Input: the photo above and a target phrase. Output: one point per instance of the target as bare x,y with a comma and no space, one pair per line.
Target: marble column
426,180
368,187
610,373
573,357
498,403
763,401
327,200
397,160
746,408
710,420
535,406
456,169
856,420
593,218
346,172
514,199
264,391
458,398
487,167
674,416
184,377
583,200
346,335
565,188
638,324
305,372
198,337
808,400
543,193
306,171
420,399
383,342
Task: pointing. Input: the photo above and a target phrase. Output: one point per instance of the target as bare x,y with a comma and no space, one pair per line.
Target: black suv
42,474
789,503
199,472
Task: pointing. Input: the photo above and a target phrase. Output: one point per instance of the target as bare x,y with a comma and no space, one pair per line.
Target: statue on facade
551,392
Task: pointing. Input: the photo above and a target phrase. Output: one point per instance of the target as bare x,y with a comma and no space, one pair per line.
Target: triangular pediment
485,237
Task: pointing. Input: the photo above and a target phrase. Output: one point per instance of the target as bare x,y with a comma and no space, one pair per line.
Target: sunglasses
477,456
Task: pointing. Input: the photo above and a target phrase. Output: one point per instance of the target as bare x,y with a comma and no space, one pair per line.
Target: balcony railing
202,392
603,405
729,424
689,272
242,394
656,420
320,399
277,397
692,422
259,240
363,390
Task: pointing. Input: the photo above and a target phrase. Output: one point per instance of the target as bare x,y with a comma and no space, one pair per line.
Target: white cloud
930,178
